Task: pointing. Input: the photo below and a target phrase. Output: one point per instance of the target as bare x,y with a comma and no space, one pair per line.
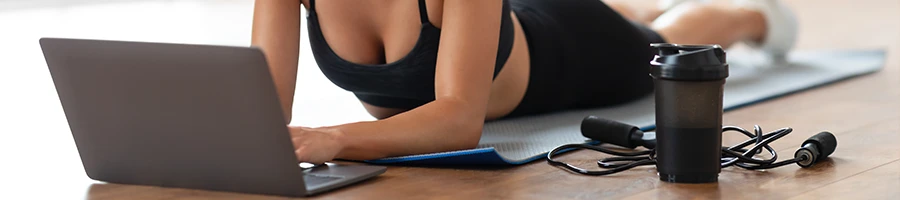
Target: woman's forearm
434,127
276,30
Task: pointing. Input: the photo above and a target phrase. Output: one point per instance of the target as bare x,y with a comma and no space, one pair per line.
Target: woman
432,71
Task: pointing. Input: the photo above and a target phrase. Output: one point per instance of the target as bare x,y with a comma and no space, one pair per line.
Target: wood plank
879,183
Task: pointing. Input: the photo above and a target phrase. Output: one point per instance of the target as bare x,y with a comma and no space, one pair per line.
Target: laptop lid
174,115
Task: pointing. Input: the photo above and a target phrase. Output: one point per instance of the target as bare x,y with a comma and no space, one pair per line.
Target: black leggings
583,55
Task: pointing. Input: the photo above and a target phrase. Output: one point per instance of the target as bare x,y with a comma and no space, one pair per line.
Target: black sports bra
406,83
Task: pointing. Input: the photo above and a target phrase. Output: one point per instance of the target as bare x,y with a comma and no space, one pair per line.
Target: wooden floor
39,159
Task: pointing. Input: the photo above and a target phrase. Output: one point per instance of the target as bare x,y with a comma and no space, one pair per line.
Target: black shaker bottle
689,81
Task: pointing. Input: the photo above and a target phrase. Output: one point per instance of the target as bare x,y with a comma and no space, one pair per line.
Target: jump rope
686,147
814,149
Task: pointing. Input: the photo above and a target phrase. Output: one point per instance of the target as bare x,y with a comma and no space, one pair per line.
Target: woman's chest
373,32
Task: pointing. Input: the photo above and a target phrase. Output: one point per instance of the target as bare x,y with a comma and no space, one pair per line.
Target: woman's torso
376,32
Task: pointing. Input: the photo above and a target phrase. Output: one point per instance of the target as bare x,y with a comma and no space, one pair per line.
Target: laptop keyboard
317,179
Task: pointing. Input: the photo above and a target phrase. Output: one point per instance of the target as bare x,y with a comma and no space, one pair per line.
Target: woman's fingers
312,145
306,154
303,150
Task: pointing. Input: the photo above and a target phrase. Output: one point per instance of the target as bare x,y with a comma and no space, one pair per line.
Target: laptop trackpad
324,177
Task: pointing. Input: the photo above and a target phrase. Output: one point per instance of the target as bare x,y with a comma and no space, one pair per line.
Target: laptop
186,116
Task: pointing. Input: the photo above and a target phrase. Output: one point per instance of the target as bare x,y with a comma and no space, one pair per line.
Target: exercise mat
525,139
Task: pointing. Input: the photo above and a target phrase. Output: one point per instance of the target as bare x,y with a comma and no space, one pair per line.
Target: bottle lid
688,62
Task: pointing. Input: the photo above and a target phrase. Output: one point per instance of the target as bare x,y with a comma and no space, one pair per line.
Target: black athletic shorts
583,55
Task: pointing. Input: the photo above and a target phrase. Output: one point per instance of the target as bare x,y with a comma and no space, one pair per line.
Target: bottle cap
688,62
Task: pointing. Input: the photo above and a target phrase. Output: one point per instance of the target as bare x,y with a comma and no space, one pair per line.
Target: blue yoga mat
522,140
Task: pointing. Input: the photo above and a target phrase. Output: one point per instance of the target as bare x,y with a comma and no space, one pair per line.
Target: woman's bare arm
276,30
465,66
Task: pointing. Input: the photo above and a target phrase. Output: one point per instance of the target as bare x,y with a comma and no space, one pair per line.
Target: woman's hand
315,145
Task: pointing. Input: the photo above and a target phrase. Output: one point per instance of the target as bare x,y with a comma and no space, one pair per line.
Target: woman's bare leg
696,23
636,12
710,24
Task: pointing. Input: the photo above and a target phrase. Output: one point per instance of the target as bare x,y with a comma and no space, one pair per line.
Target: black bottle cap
688,62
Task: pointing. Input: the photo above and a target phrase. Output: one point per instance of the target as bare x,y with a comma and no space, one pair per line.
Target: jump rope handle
617,133
816,148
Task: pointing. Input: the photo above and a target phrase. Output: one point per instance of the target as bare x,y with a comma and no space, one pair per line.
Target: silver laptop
187,116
